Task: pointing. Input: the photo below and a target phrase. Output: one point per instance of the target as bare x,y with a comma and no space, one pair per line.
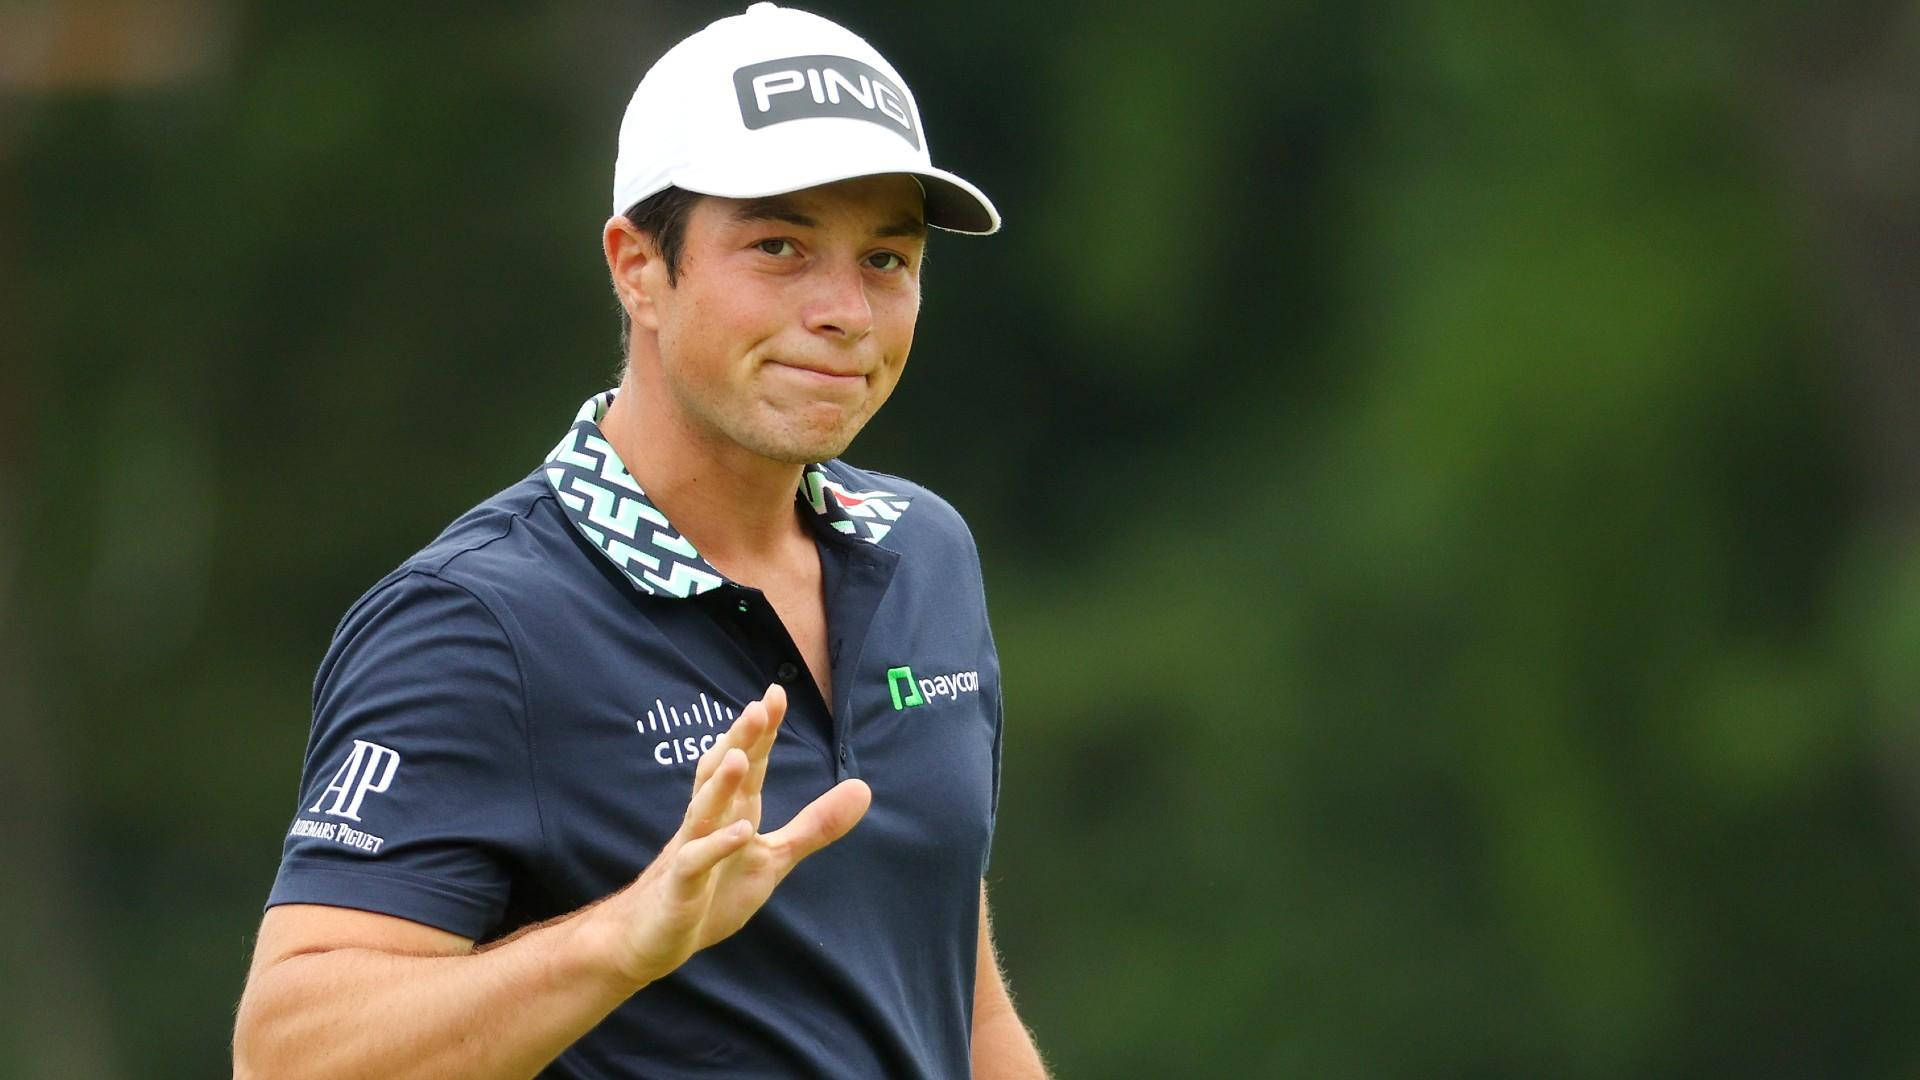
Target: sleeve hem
384,892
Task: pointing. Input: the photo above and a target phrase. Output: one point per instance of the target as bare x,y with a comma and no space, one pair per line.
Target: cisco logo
684,734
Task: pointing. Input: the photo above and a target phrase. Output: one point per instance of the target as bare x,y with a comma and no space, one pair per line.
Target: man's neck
735,506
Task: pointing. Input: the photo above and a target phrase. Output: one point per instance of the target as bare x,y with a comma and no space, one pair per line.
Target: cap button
762,8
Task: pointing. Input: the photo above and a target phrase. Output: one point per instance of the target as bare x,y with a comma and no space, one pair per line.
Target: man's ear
633,262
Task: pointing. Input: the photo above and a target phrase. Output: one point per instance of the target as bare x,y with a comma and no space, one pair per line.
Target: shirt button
844,755
786,672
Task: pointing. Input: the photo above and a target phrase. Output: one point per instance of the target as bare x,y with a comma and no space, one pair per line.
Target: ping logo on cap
800,87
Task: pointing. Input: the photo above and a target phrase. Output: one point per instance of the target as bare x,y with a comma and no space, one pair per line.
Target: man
690,596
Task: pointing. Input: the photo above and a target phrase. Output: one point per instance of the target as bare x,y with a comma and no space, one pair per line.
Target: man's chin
801,451
798,444
816,453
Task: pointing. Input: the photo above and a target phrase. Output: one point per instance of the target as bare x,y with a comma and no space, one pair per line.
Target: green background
1447,474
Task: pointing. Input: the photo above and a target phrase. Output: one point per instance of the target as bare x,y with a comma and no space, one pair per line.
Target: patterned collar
606,504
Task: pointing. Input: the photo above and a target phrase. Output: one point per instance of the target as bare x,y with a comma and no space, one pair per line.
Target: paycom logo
908,691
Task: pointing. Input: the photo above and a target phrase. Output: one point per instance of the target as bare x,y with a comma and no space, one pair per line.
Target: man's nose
840,307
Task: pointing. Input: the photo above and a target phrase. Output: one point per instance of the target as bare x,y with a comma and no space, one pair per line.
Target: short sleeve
993,801
999,698
416,799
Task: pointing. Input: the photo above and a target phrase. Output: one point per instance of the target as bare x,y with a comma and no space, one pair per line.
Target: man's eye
776,247
886,260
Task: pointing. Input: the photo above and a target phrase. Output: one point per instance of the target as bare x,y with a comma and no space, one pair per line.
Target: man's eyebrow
772,210
906,226
780,210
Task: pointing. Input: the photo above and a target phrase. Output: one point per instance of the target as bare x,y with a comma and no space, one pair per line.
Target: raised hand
719,868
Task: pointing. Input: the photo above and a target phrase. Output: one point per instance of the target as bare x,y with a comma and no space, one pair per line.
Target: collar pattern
605,503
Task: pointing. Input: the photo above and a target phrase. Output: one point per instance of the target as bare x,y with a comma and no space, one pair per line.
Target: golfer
680,756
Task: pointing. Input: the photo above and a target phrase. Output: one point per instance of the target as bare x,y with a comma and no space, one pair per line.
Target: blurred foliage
1454,618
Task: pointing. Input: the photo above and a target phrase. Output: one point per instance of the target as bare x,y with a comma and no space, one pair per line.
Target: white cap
774,101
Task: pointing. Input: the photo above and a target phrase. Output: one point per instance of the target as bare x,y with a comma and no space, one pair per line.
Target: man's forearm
357,1012
1003,1048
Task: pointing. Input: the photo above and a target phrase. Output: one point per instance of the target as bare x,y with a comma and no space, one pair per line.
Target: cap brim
952,204
957,206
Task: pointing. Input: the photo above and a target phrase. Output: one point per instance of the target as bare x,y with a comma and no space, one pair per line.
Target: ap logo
368,770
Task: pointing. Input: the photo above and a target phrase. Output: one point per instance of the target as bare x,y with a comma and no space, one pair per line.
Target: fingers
745,728
697,858
822,821
753,732
775,702
712,802
760,750
755,725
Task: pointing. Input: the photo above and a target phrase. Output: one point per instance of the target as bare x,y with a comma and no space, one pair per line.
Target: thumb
822,821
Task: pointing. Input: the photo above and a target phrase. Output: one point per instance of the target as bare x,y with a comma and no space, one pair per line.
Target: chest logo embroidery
908,691
684,734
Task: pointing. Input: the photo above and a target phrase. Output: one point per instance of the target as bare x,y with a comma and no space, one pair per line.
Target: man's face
792,316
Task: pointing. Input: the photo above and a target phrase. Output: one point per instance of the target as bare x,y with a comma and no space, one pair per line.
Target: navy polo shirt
505,729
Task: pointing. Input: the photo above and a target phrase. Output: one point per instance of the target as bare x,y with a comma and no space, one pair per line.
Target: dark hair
663,216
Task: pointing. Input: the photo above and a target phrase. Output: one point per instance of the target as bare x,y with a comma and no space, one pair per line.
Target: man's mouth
824,375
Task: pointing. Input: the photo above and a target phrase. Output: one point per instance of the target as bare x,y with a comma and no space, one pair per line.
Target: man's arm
1003,1048
341,993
